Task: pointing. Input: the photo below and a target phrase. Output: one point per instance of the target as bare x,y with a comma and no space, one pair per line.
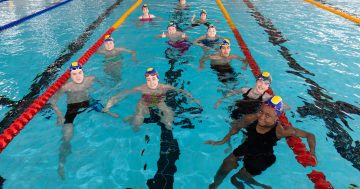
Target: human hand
211,142
60,120
106,109
183,35
163,35
217,104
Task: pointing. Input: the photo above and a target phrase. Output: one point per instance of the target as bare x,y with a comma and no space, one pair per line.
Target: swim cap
211,26
172,24
202,12
276,103
151,71
225,42
108,38
145,5
265,76
75,66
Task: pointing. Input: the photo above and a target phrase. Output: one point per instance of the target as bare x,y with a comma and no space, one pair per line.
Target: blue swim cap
172,24
75,66
225,42
202,12
276,103
151,71
108,38
265,76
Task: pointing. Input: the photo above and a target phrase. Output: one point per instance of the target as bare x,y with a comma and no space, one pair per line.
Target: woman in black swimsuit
256,151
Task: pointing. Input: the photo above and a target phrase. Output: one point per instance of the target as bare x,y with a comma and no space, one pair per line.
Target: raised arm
236,126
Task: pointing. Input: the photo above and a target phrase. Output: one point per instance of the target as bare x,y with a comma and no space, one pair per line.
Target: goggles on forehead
75,66
108,38
151,72
211,26
225,42
275,103
145,6
202,12
172,24
265,76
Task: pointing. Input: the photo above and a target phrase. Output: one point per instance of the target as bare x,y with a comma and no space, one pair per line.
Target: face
182,2
171,30
77,76
203,16
145,10
266,116
152,81
261,85
225,50
109,45
211,32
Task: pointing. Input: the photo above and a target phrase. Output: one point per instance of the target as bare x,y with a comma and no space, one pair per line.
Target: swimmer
78,99
173,34
113,57
146,17
210,40
264,130
153,96
223,57
182,4
220,63
202,20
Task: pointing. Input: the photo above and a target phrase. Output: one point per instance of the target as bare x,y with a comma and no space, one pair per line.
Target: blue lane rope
21,20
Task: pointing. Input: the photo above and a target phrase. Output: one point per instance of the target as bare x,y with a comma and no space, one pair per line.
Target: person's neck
145,14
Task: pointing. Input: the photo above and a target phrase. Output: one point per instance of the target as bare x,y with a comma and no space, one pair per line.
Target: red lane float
35,107
302,155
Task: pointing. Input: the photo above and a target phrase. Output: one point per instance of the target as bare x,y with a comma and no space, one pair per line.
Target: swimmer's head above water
270,111
263,82
225,48
211,31
109,42
182,2
203,14
152,78
145,8
76,72
171,27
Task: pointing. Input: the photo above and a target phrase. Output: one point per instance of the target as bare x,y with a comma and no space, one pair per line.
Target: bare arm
231,93
197,41
302,134
237,125
101,51
119,97
53,104
243,60
202,61
129,51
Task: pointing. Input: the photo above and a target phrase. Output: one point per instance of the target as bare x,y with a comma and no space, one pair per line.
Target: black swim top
258,143
210,43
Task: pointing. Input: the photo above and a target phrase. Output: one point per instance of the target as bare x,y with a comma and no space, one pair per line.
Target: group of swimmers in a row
258,112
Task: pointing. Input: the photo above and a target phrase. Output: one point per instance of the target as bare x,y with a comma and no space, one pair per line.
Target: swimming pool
311,54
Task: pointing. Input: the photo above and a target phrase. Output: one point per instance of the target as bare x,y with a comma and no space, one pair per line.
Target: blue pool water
315,69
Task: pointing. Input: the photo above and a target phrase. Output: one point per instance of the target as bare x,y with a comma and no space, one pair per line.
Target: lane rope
342,14
21,20
302,155
14,129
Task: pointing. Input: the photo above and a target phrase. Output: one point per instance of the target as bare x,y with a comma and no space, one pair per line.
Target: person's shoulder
244,89
152,16
140,17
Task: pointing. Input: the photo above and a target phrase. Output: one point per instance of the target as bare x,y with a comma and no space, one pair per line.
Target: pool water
312,55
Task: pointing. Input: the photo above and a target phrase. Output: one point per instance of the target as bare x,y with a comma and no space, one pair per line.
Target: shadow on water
329,110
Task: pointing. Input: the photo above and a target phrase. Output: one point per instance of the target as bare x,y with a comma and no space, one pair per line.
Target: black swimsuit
257,149
246,105
73,110
225,73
